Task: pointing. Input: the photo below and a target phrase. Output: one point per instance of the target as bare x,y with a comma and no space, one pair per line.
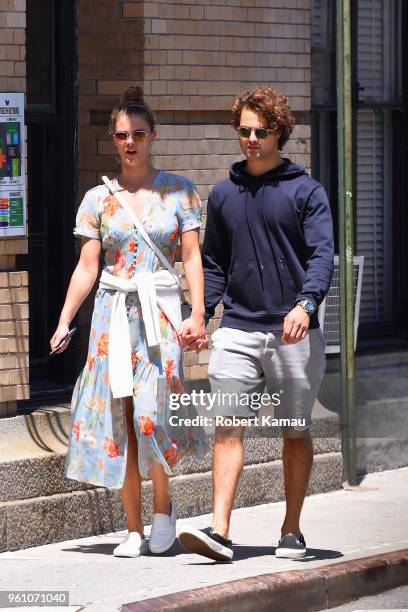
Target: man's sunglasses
260,133
137,135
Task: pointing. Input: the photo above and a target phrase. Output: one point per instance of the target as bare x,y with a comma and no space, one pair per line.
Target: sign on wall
12,165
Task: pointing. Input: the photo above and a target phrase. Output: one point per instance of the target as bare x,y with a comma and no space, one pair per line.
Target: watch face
307,305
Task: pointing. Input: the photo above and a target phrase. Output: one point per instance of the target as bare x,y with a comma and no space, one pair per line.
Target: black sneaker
291,547
206,542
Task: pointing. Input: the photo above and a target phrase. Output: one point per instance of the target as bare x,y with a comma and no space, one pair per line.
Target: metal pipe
345,199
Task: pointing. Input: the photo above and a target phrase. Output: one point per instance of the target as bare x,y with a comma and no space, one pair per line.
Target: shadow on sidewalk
313,554
240,552
107,549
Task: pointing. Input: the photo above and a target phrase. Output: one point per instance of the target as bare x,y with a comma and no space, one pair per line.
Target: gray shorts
253,373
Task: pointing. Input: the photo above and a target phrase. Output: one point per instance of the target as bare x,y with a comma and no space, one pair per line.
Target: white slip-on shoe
163,533
132,546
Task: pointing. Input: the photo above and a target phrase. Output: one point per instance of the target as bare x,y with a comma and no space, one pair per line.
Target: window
376,40
378,79
40,54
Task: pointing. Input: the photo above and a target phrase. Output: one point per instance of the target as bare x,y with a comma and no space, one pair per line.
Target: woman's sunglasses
260,133
136,135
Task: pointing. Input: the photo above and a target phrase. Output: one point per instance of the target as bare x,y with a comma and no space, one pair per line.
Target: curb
314,589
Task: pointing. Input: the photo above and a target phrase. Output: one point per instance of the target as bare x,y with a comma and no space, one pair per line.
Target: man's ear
278,135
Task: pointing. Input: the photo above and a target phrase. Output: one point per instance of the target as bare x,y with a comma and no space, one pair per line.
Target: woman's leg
160,480
132,487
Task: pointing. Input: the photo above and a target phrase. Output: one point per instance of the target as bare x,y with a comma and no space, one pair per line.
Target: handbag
185,305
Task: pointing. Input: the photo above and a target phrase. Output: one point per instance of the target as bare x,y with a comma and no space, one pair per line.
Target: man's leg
298,369
228,461
233,369
297,465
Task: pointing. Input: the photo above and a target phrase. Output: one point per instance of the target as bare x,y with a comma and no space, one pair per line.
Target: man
268,252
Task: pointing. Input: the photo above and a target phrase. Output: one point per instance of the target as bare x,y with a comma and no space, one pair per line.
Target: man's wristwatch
308,305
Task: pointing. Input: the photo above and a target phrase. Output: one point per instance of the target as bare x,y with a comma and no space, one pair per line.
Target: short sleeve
190,209
88,219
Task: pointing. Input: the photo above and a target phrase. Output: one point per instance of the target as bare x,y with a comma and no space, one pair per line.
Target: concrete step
37,434
381,414
41,476
47,430
33,458
80,513
39,505
371,358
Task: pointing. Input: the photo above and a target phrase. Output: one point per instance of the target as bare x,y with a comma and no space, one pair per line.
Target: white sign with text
12,165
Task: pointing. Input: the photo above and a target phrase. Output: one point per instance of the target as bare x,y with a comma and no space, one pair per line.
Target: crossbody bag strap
142,231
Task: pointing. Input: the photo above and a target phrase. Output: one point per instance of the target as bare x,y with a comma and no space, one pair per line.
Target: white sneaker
163,533
132,546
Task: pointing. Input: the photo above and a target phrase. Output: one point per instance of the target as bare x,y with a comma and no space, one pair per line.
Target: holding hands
192,334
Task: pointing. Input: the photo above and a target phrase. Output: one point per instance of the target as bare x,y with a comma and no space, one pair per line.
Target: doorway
51,118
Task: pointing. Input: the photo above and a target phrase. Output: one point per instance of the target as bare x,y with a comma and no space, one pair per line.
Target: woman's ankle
137,528
162,506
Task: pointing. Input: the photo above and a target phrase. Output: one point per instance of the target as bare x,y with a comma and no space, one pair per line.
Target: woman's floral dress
97,447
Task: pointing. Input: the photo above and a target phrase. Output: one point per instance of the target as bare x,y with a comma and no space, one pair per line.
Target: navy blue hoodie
268,242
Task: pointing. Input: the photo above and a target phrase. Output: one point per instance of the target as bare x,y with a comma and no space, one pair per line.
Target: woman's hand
192,334
59,334
82,281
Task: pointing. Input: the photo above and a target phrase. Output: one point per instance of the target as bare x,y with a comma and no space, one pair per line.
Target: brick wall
191,59
198,55
12,45
13,336
13,285
110,59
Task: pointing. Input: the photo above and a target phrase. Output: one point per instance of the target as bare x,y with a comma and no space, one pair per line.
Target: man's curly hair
272,106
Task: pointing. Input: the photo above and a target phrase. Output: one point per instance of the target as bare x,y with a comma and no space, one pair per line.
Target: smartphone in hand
64,340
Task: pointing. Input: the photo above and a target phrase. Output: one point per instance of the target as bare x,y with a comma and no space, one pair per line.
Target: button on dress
97,445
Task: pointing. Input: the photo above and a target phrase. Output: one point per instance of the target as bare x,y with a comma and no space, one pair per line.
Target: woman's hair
132,103
272,106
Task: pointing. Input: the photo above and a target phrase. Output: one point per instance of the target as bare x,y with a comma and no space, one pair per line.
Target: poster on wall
12,165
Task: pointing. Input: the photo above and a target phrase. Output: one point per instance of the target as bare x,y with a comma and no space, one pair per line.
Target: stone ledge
66,516
33,455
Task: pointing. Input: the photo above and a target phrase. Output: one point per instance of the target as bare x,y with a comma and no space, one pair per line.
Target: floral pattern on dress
97,448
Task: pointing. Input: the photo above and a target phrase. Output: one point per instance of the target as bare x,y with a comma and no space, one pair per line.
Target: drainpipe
345,198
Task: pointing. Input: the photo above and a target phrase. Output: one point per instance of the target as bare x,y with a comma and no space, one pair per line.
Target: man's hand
192,334
295,325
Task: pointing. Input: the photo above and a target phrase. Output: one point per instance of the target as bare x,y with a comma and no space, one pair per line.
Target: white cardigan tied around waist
156,290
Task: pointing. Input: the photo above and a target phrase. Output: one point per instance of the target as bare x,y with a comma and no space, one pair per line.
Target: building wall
13,285
197,55
191,60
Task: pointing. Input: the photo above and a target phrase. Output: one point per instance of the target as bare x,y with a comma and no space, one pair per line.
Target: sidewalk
338,526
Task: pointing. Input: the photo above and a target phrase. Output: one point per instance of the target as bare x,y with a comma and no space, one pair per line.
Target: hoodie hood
285,172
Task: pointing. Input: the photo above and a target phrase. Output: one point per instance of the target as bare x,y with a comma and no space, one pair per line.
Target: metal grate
329,311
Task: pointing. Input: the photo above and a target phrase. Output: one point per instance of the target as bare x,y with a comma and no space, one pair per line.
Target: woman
114,439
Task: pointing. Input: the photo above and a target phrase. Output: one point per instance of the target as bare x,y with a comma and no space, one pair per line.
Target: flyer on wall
12,165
